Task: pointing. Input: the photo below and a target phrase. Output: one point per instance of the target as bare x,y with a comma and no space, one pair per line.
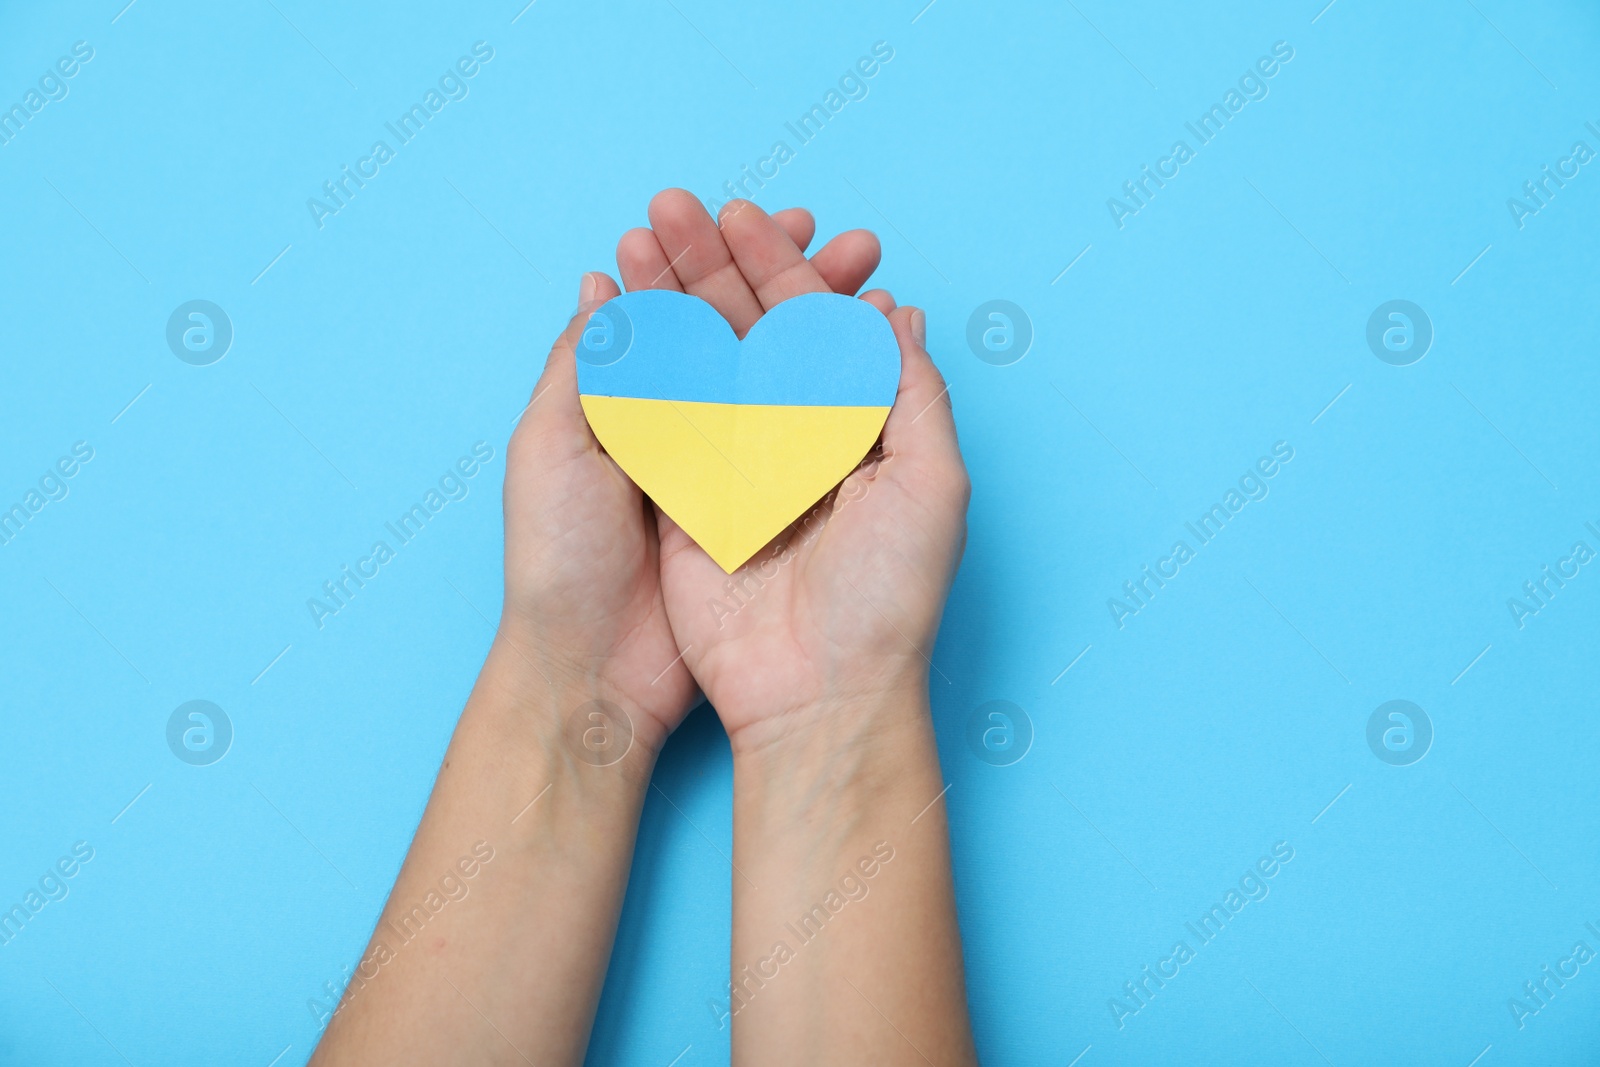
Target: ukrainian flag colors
736,440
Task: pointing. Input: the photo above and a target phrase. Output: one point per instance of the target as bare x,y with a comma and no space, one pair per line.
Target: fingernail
586,288
919,328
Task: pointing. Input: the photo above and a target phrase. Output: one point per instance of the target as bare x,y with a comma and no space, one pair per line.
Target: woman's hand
816,655
543,828
583,600
842,609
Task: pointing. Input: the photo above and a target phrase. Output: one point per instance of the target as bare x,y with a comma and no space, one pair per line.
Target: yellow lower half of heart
733,475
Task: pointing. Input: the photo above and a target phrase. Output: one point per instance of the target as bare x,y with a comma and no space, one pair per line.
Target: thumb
554,403
922,420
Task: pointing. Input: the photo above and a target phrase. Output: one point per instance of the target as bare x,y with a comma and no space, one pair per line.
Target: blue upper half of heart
814,349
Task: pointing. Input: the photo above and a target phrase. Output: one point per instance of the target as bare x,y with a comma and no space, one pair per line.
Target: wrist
847,715
841,751
568,720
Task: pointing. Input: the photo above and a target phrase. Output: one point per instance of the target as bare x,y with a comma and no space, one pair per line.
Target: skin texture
817,662
818,668
511,973
852,610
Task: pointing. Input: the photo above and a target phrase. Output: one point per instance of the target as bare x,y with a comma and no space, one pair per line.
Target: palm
830,612
581,561
845,590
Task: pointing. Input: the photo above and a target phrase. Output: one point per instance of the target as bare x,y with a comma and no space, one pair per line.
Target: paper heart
736,439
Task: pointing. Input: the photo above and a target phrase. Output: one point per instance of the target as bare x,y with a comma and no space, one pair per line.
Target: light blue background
1224,317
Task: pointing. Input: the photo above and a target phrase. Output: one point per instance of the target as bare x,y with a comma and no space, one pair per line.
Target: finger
847,261
772,265
700,258
880,299
642,263
921,420
798,223
554,405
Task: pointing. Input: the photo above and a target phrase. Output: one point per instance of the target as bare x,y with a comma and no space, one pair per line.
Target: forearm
493,945
845,944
